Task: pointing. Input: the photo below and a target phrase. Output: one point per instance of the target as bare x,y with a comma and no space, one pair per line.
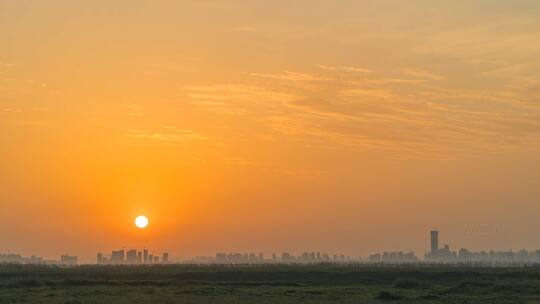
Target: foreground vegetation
267,284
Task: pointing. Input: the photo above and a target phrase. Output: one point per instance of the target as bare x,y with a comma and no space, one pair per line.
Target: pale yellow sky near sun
268,126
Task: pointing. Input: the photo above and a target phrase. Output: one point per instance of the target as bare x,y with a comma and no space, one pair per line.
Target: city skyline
434,254
474,232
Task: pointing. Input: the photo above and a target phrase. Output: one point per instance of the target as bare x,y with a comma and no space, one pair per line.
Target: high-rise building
100,259
118,257
165,258
286,257
434,242
145,256
131,256
68,260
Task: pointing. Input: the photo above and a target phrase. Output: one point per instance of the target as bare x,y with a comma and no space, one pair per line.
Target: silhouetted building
68,260
12,258
434,242
286,257
100,259
131,256
118,257
399,257
374,258
165,258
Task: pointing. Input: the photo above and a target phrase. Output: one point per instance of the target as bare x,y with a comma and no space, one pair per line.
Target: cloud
169,134
239,99
6,64
292,76
346,69
420,73
363,92
407,113
384,80
12,110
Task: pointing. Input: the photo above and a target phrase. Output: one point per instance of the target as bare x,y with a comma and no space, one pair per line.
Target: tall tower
145,256
165,258
434,242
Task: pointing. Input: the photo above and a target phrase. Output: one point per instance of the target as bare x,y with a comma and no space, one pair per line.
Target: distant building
118,257
374,258
221,257
286,257
131,256
165,258
12,258
434,242
68,260
100,259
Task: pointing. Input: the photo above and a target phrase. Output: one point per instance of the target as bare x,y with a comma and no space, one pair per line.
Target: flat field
267,284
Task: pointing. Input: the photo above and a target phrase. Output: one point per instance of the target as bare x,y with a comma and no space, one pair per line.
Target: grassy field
267,284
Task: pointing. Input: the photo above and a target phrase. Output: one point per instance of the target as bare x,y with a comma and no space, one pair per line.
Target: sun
141,221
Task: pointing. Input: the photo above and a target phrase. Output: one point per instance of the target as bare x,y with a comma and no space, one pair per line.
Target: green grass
267,284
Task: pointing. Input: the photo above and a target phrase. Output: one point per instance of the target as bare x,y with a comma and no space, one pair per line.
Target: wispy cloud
346,69
168,134
416,120
6,64
420,73
12,110
231,99
292,76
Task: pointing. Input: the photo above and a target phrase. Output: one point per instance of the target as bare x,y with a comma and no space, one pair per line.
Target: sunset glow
275,126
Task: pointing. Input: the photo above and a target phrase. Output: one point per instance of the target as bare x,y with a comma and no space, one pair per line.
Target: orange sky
338,126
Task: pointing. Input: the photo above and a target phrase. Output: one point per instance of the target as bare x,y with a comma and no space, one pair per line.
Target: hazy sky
268,126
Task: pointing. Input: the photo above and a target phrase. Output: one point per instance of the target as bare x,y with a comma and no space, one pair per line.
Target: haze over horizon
338,126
